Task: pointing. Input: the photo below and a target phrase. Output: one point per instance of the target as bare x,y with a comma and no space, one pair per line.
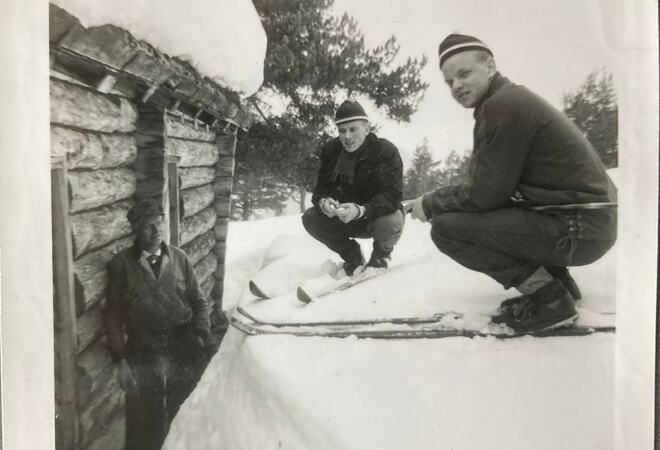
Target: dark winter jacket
525,153
151,309
378,178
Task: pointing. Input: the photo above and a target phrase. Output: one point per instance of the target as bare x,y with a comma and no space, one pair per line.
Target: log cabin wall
194,145
127,122
95,133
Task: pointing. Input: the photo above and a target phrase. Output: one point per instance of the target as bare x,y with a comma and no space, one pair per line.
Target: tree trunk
302,195
247,208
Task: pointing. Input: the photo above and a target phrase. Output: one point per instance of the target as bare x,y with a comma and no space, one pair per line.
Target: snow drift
284,392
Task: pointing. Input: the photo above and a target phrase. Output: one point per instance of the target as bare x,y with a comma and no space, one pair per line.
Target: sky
549,46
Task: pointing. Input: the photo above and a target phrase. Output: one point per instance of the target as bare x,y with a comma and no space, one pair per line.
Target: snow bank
318,393
223,39
284,392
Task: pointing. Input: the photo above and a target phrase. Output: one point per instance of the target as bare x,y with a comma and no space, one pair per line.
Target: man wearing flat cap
358,193
537,201
157,322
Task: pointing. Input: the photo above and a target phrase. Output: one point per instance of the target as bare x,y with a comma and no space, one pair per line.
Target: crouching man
157,322
358,193
537,201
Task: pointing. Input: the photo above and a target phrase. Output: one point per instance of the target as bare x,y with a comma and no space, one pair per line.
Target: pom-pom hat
349,111
457,43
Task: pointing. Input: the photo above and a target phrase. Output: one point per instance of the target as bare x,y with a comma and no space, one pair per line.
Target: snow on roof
223,39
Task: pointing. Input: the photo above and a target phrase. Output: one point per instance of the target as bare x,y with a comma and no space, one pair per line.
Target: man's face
150,234
352,134
468,76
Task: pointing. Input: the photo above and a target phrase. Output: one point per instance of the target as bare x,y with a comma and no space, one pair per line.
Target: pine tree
314,60
420,177
593,108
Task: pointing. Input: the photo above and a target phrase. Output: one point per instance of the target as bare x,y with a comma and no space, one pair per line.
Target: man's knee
387,229
446,231
311,219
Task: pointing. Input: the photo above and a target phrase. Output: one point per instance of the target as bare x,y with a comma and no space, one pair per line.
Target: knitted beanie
350,111
457,43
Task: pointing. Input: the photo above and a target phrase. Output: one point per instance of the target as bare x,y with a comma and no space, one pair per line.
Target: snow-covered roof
223,39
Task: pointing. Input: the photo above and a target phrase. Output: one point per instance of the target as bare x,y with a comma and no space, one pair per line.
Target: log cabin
127,122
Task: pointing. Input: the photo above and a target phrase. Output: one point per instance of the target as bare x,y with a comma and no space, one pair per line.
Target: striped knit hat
348,111
457,43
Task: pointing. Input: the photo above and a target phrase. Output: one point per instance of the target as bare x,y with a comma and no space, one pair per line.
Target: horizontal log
85,108
98,412
196,199
185,129
91,189
221,227
222,186
216,294
225,166
196,176
220,249
92,150
226,144
222,206
220,270
90,327
206,267
207,288
94,229
199,247
90,292
113,435
196,225
96,261
95,367
192,153
90,273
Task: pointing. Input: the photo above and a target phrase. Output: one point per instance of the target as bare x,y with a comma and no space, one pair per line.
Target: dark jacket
525,153
378,179
151,309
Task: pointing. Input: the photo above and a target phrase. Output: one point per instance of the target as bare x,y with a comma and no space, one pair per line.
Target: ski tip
254,289
302,295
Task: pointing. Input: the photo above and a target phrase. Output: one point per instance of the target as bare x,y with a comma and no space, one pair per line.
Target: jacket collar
496,83
142,260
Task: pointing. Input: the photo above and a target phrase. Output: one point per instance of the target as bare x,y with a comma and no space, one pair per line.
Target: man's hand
126,379
414,207
348,211
329,206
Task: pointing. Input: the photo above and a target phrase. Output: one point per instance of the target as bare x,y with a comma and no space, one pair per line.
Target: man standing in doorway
157,322
537,201
358,193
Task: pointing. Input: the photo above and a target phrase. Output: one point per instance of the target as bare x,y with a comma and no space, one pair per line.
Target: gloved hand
328,206
414,207
126,378
348,212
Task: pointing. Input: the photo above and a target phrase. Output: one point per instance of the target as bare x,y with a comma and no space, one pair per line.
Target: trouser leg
509,245
146,417
331,232
386,231
186,365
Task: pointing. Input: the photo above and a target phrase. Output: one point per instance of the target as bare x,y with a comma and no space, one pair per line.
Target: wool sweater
526,153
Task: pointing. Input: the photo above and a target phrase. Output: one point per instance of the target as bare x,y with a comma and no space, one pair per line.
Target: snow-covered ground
284,392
